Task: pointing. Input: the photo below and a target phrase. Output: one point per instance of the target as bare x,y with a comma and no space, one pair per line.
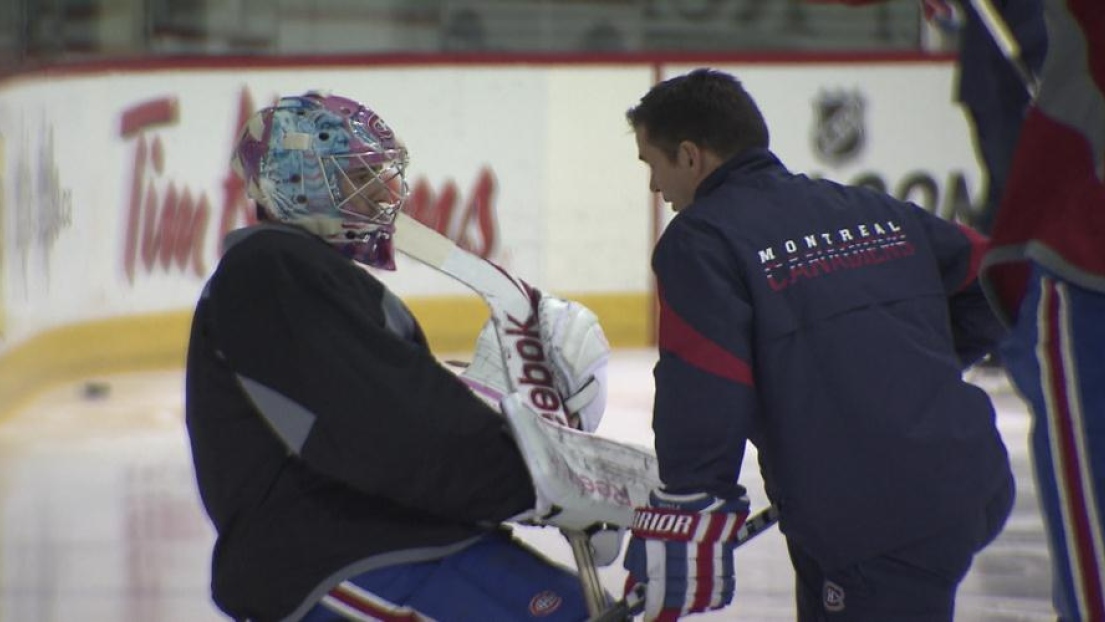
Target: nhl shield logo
838,129
832,596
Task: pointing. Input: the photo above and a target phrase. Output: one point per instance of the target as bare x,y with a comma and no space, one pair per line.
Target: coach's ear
688,154
699,160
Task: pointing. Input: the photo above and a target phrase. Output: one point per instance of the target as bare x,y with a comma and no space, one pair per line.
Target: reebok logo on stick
535,372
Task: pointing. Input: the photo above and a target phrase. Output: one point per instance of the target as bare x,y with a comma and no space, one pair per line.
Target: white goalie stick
585,480
584,496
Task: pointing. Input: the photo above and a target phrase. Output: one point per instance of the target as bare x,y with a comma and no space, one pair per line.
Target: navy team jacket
828,325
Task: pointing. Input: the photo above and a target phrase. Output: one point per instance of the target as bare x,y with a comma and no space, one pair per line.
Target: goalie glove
579,352
682,552
485,375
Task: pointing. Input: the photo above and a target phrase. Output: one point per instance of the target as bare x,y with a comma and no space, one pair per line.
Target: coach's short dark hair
707,107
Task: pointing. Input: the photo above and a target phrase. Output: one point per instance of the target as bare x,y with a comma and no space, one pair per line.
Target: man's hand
682,551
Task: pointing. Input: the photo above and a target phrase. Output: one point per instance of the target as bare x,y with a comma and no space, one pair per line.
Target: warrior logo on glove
682,552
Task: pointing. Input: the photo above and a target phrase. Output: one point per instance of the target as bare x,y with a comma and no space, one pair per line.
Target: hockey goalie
347,472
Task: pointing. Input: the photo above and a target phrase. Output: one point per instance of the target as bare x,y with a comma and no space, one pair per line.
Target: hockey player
348,474
828,325
1046,272
992,92
989,85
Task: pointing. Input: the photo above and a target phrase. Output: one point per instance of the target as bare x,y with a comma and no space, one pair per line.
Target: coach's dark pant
916,583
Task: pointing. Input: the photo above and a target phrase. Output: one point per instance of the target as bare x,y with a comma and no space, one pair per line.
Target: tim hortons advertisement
119,206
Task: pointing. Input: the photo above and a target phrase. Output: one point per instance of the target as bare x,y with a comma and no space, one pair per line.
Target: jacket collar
748,162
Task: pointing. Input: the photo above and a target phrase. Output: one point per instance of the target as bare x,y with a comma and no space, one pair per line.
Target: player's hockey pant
1056,358
498,578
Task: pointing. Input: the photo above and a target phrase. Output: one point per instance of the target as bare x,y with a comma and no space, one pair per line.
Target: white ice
100,520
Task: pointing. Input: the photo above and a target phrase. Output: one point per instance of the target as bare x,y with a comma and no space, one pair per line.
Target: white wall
569,199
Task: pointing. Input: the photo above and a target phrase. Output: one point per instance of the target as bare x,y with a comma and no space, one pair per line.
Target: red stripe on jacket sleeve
681,339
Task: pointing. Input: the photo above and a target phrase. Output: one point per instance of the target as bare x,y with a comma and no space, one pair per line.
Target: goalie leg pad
497,578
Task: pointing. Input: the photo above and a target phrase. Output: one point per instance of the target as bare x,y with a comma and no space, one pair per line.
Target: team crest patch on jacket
833,596
544,603
838,130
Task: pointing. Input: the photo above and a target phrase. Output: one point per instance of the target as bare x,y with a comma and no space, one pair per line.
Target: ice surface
100,521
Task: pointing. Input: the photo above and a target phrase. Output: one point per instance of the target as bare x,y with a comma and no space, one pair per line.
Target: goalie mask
329,165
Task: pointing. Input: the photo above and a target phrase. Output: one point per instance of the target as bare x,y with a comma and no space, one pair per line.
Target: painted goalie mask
329,165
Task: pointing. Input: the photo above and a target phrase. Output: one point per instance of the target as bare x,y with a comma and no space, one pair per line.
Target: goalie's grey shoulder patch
291,421
397,316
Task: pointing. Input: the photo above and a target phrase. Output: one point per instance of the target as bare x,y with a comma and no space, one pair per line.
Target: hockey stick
513,306
593,480
586,478
1006,43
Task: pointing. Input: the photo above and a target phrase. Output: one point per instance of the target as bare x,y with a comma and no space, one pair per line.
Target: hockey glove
485,375
682,551
577,347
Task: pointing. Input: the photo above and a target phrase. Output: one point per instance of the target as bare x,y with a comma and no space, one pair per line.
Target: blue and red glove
682,552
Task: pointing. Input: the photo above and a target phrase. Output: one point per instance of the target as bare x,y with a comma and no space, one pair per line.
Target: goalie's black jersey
324,432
